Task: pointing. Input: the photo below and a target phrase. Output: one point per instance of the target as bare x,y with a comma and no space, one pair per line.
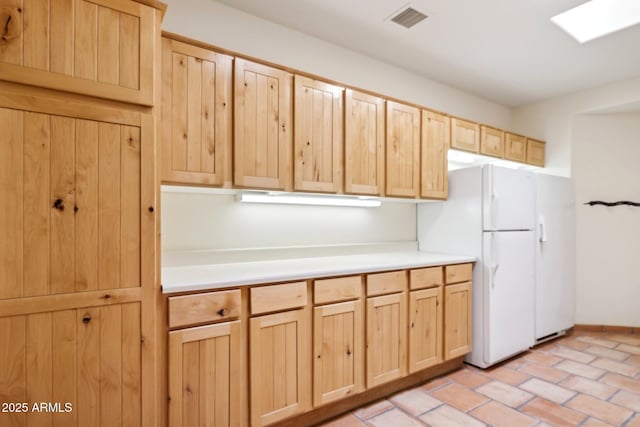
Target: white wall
208,221
238,31
606,166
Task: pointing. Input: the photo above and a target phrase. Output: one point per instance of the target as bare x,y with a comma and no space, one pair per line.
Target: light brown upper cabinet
364,143
318,141
535,152
515,147
434,146
491,141
403,150
465,135
102,48
196,115
263,126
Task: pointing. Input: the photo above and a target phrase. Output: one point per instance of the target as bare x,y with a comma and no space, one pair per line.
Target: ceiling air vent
408,17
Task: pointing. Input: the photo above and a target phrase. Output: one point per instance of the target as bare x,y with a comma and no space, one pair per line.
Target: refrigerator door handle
494,270
494,258
543,229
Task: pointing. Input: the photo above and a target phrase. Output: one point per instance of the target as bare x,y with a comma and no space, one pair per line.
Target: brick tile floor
586,379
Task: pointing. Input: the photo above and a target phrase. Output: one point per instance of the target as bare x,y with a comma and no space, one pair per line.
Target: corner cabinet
197,107
263,127
402,150
101,48
434,146
318,136
535,152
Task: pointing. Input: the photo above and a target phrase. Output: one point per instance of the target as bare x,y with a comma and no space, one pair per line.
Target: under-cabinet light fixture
307,199
597,18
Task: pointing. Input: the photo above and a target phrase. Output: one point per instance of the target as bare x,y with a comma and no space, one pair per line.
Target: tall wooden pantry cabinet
78,179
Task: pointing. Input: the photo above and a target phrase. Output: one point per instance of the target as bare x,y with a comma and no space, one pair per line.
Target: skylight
597,18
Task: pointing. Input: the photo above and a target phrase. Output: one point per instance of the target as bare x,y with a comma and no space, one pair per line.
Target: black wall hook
620,203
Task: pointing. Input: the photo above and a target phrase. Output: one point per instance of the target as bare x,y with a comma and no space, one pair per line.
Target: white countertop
187,278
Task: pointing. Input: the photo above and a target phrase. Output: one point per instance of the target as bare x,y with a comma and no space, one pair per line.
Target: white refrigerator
490,213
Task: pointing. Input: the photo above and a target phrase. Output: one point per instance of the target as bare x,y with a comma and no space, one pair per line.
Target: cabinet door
103,48
403,150
386,338
515,147
91,358
434,146
317,136
465,135
204,376
491,141
263,134
338,351
82,193
457,320
425,328
279,363
535,152
196,115
364,144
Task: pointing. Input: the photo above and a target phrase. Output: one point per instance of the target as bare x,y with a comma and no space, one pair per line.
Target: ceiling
503,50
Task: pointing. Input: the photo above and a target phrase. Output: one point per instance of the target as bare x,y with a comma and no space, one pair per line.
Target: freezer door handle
542,230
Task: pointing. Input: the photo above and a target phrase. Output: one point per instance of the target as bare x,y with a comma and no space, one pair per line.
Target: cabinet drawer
457,273
386,283
425,278
201,308
278,297
339,289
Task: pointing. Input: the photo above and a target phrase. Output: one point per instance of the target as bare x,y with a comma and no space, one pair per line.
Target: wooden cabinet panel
204,376
279,363
196,115
102,48
457,273
89,357
338,289
535,152
515,147
465,135
402,150
263,122
425,277
386,283
457,320
491,141
364,143
266,299
86,198
206,307
338,351
386,338
435,143
318,136
425,328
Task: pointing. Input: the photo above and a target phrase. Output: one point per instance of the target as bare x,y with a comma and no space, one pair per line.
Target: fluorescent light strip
296,199
597,18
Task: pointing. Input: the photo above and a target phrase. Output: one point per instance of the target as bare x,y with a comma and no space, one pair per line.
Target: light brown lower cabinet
278,367
457,320
425,328
204,376
338,351
386,338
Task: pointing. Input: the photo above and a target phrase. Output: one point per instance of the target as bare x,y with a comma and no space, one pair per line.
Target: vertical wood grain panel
86,40
179,112
129,40
130,207
223,387
12,366
36,34
62,188
267,372
38,366
293,370
88,350
316,160
348,349
111,365
272,128
263,141
12,189
434,144
36,178
108,45
65,367
209,119
109,209
131,365
62,37
191,383
280,368
326,356
194,115
250,124
86,235
207,371
11,49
